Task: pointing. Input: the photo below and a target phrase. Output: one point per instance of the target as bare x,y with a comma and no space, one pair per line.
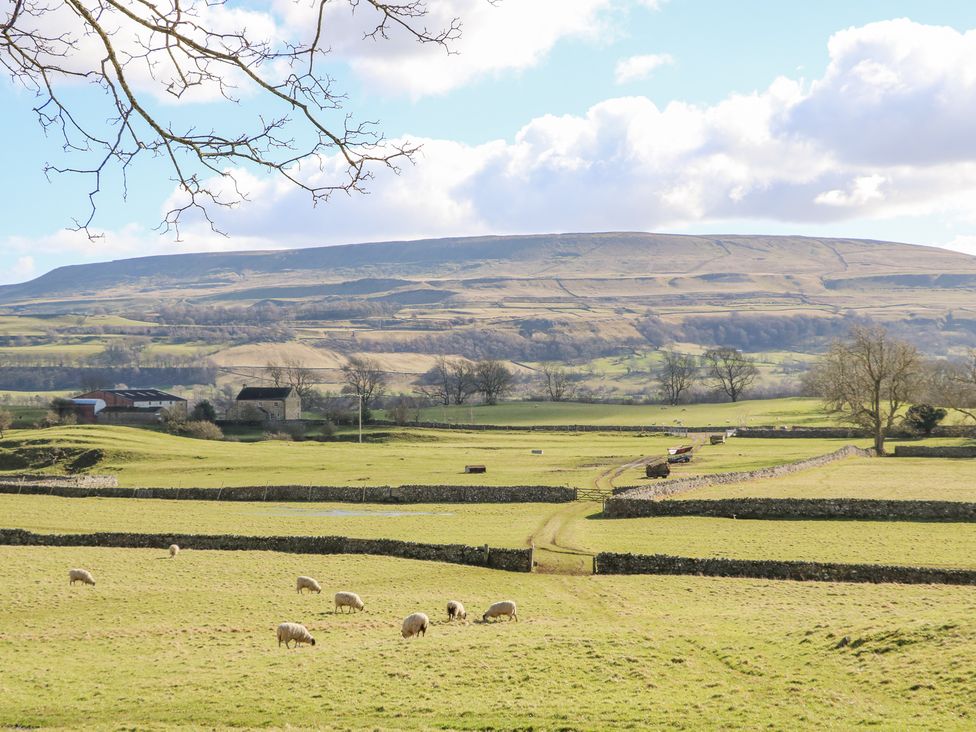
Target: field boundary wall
511,560
615,563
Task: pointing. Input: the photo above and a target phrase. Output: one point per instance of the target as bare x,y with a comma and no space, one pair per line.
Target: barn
126,406
272,403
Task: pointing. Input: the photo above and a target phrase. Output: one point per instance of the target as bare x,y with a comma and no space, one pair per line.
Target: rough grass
406,456
190,643
869,542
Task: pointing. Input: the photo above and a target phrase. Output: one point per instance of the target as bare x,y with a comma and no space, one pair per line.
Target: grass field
870,542
794,411
190,643
503,525
891,478
406,456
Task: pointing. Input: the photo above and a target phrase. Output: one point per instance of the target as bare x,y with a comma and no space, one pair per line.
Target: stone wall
511,560
322,494
936,452
674,486
797,509
612,563
16,480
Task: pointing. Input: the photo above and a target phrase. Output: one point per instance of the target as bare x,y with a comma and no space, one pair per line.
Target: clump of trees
450,381
924,418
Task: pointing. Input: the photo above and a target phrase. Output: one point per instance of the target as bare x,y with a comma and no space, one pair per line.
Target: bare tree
868,378
450,381
300,378
494,380
730,370
137,52
558,381
364,377
677,375
275,372
952,384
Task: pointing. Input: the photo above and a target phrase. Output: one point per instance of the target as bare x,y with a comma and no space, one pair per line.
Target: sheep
506,607
288,632
456,611
307,583
348,599
80,575
174,549
415,624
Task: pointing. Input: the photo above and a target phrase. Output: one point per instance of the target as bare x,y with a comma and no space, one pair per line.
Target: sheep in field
456,611
80,575
415,624
288,632
174,549
348,599
307,583
506,607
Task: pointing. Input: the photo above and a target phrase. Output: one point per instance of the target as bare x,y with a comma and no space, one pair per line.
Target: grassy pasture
190,643
868,542
887,478
503,525
792,411
406,456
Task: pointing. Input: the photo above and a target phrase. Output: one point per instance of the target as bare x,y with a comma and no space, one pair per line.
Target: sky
851,119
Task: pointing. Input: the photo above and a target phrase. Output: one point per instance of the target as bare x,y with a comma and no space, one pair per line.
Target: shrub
204,411
924,418
202,430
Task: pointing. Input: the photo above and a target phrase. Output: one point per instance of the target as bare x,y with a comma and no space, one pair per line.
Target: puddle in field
342,513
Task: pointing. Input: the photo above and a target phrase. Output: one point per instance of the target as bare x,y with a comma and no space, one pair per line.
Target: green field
785,412
503,525
400,457
889,478
190,643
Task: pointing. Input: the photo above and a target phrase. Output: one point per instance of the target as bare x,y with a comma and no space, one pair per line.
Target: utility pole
360,418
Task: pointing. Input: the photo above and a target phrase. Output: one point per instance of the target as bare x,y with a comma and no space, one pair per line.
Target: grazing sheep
307,583
415,624
348,599
456,611
174,549
506,607
80,575
288,632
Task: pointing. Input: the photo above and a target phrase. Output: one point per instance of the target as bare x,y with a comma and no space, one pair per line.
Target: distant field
870,542
190,643
406,456
795,411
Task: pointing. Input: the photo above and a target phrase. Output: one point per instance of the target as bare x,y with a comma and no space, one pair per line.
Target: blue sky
827,118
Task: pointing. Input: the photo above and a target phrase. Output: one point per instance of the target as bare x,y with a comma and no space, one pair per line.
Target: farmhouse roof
138,395
263,393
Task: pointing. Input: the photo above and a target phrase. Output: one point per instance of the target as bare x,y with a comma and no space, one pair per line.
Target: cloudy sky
827,118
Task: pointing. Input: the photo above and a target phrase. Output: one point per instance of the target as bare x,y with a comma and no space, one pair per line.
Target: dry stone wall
322,494
59,481
613,563
959,451
799,509
511,560
682,485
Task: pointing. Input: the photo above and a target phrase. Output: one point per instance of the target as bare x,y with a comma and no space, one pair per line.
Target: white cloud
863,190
636,68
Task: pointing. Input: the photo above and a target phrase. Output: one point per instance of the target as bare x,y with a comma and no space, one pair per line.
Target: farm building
274,403
124,406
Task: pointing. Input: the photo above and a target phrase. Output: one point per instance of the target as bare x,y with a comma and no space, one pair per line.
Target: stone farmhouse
274,403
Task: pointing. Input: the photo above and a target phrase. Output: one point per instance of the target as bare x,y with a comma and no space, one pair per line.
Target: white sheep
348,599
288,632
307,583
456,611
174,549
506,607
80,575
415,624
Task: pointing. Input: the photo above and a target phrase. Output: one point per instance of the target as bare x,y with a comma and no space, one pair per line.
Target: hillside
603,302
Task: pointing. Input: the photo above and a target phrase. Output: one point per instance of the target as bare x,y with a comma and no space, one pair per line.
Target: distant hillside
577,265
